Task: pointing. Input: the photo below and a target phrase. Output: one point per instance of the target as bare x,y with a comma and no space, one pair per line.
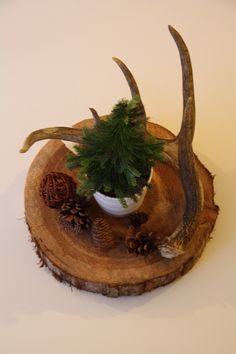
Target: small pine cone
139,218
139,242
102,235
74,217
56,188
130,232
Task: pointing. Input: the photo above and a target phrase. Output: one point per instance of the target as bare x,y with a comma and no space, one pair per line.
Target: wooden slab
77,262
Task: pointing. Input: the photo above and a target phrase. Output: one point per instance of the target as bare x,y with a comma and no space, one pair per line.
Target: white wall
55,62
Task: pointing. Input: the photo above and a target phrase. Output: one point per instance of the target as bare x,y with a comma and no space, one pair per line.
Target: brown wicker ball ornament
102,234
56,188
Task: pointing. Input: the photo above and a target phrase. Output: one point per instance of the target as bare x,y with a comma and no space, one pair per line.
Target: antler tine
187,74
185,136
133,87
129,77
180,152
61,133
95,115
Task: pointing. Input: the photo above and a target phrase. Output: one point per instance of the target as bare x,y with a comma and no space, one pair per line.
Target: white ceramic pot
113,206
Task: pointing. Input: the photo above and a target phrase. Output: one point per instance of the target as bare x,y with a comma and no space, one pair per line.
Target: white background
55,62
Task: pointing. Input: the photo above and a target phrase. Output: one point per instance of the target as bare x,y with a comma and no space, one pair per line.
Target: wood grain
76,261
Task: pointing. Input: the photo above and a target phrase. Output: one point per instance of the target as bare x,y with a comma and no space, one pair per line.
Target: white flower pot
113,206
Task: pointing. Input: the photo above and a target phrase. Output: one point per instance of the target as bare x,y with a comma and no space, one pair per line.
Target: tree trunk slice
77,262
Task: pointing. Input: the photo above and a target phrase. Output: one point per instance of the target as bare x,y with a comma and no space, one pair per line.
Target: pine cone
74,217
102,235
56,188
139,242
139,218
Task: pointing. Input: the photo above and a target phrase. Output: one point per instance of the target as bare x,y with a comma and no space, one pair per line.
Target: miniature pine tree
117,154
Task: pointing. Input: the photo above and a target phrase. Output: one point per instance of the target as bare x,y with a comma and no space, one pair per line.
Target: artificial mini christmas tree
116,155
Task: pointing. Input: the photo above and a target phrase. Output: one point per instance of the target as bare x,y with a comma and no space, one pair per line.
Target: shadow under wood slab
77,262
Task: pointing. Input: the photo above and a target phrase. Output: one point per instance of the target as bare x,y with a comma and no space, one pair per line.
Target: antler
174,244
95,115
178,151
61,133
187,75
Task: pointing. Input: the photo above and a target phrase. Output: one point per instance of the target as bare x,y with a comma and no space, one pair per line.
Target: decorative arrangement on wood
86,247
